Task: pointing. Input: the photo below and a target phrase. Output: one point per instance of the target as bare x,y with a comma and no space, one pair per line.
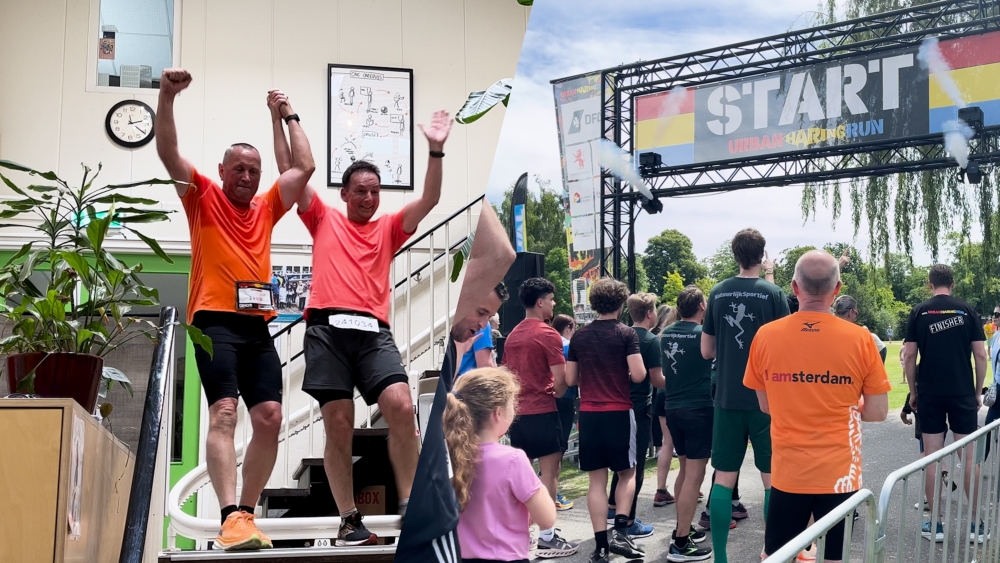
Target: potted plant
65,297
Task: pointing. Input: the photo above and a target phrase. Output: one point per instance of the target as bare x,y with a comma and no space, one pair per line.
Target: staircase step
374,554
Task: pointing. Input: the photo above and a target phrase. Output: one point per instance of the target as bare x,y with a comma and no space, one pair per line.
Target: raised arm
282,154
436,134
490,258
292,181
172,81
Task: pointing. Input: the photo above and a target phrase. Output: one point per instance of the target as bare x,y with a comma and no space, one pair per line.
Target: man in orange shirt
231,301
348,341
817,396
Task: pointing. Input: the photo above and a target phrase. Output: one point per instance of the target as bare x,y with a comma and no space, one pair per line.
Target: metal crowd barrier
902,495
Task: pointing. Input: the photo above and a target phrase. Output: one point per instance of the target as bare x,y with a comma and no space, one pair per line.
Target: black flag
429,527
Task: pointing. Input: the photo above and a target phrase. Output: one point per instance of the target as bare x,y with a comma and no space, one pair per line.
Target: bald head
817,276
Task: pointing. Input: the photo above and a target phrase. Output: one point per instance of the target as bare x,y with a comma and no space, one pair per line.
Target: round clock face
130,123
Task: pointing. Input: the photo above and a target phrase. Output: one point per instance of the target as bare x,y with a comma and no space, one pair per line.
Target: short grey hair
822,284
844,304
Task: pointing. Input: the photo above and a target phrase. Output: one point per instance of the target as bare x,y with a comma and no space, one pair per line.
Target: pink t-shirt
351,262
494,524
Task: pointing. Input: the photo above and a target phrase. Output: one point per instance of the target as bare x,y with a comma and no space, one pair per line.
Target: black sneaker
690,552
557,547
624,546
697,536
353,532
599,556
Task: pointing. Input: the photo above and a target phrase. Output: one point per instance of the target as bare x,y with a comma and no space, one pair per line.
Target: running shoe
562,503
599,556
705,522
640,530
533,534
807,555
624,546
936,536
697,536
353,532
663,499
690,552
740,511
611,516
239,533
979,537
556,547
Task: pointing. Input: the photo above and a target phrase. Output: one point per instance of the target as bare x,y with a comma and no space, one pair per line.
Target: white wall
237,50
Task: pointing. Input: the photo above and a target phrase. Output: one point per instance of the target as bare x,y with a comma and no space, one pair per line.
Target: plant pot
59,375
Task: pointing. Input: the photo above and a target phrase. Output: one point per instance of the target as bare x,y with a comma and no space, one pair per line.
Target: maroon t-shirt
601,350
529,351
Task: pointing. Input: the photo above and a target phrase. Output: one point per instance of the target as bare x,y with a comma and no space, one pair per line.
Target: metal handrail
817,532
427,233
144,472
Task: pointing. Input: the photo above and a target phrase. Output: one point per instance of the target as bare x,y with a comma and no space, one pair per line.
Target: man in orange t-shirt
348,342
231,300
817,395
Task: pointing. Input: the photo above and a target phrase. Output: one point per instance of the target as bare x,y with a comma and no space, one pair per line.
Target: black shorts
939,412
567,416
243,361
538,435
691,431
788,516
607,440
659,403
340,359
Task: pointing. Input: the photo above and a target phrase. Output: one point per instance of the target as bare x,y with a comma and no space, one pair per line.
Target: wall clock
130,124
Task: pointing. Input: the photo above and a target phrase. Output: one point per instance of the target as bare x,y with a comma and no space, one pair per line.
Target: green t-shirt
737,308
689,375
642,393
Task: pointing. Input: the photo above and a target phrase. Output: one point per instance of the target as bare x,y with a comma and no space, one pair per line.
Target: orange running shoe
239,533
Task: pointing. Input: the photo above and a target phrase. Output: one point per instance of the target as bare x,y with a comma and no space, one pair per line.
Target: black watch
437,154
291,116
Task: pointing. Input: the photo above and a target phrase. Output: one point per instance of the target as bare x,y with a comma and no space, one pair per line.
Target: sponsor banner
519,228
853,101
579,162
582,200
584,232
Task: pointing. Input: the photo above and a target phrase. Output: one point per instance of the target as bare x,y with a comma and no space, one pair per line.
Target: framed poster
370,118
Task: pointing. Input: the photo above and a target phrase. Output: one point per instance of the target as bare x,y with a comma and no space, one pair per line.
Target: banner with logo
578,114
856,100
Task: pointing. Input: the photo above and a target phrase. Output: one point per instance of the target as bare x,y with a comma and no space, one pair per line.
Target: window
134,42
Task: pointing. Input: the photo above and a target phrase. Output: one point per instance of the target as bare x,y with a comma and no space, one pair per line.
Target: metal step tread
313,555
287,492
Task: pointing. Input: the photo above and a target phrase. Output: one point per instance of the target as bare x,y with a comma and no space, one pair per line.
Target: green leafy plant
84,302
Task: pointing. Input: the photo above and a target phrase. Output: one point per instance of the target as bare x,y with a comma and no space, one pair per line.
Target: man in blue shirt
480,355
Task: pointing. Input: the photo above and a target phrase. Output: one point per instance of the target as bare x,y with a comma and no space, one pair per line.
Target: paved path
887,446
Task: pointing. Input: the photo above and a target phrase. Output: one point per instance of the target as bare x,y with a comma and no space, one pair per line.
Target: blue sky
569,37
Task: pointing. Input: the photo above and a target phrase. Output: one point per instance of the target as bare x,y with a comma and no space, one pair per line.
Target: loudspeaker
526,265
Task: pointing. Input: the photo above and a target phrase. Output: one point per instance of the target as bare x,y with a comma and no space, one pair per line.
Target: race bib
254,296
354,322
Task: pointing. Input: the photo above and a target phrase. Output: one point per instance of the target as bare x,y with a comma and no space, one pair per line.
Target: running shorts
537,435
691,431
732,429
243,361
607,440
788,516
939,412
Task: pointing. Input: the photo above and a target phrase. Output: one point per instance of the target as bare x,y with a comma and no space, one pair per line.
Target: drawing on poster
371,119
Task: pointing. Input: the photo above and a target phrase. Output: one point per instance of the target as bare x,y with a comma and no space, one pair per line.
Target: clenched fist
173,80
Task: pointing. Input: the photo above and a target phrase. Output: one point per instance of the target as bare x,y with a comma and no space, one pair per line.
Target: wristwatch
291,116
437,154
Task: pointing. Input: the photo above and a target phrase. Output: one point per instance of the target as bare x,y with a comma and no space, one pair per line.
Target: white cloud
568,38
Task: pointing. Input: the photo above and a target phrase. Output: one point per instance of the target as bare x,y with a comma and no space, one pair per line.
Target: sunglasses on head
996,314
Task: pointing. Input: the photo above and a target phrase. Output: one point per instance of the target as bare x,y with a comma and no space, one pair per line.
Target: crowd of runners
792,376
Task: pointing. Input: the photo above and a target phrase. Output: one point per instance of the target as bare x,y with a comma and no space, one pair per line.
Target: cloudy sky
566,38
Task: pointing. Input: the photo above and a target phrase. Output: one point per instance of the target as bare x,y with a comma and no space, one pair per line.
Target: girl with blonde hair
498,492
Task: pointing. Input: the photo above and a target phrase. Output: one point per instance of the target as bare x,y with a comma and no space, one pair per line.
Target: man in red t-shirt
604,357
348,342
231,299
534,352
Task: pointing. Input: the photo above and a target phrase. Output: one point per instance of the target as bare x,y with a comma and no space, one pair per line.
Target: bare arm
484,358
436,134
572,375
875,407
762,399
979,353
636,368
542,509
657,378
910,370
292,181
707,346
282,153
490,258
172,81
559,379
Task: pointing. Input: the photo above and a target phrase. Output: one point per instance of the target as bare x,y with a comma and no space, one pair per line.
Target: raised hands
173,80
276,99
437,132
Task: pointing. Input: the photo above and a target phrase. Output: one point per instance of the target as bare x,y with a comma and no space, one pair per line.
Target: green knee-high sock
720,514
767,502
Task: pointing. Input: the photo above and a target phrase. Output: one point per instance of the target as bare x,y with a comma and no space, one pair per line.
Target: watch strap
291,116
437,154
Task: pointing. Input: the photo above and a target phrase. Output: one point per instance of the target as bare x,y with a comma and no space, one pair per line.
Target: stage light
652,206
973,116
972,173
649,160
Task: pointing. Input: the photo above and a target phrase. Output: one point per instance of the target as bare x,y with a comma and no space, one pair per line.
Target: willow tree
897,207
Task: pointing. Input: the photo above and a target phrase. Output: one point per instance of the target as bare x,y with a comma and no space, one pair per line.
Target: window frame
93,30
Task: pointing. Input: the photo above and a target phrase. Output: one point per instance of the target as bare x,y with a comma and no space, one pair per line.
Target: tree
559,276
786,266
670,251
672,286
722,264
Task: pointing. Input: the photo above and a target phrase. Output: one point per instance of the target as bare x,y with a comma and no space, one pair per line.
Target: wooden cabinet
56,459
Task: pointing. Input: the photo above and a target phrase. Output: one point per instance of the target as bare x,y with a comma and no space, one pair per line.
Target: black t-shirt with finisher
689,375
642,393
737,307
944,329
